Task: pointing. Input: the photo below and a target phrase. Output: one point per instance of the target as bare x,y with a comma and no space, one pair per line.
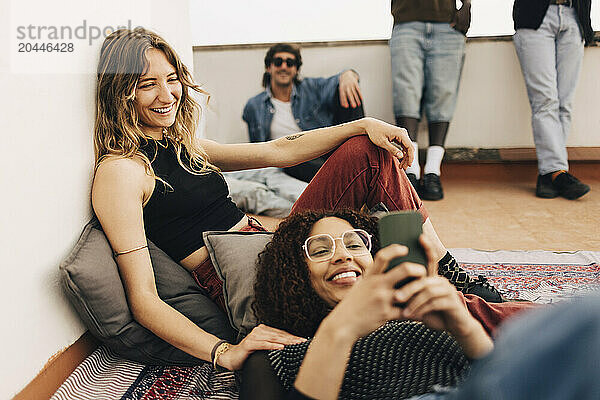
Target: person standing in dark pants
549,41
427,50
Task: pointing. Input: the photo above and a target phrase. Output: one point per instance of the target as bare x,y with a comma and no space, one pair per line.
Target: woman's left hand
392,138
433,300
436,303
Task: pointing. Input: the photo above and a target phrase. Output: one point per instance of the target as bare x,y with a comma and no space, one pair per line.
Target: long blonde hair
117,128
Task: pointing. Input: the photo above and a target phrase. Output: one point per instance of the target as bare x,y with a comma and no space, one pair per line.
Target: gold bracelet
120,253
222,348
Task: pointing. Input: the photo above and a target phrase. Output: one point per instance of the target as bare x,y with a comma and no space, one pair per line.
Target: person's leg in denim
569,59
408,60
427,61
551,59
407,51
284,185
444,60
264,191
256,198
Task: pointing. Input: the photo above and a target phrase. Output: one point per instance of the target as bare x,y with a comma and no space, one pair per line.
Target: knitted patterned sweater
399,360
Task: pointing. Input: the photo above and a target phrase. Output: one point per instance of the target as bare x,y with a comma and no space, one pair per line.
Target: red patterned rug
540,283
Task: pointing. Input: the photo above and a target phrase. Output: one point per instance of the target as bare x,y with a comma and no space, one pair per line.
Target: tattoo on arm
294,137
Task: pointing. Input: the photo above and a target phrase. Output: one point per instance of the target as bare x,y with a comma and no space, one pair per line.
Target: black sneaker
413,181
482,288
569,187
431,188
544,187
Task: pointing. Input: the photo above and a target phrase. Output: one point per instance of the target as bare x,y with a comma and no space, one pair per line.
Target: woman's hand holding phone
433,300
422,296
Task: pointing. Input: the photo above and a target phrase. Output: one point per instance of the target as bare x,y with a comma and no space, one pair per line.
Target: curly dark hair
281,48
284,297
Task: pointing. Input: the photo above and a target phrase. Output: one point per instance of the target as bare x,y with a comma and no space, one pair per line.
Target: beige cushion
234,256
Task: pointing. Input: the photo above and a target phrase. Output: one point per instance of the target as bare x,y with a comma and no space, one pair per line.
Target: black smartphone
403,227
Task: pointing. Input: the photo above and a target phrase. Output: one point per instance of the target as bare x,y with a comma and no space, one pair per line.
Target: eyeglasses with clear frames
322,247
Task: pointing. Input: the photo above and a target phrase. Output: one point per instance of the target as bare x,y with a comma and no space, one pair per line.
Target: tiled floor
493,207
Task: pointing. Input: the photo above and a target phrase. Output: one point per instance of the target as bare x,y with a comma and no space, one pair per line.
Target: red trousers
358,173
490,315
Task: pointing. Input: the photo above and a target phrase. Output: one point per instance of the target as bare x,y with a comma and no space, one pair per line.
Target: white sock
415,168
435,154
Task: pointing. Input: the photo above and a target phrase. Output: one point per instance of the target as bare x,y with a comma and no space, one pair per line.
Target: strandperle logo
67,32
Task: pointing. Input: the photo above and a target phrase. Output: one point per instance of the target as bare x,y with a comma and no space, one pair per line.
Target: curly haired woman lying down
322,276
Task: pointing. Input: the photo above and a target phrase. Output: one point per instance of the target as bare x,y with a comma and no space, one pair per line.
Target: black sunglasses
290,62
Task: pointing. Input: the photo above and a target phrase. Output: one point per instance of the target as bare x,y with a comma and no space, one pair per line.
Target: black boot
449,268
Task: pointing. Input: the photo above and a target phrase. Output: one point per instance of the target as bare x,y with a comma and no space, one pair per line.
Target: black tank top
175,217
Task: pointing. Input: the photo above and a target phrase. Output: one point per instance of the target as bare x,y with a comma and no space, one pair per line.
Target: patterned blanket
542,277
103,375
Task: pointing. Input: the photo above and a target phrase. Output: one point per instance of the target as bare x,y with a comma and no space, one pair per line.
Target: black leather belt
566,3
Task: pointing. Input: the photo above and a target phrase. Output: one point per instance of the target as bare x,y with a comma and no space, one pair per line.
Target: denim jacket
312,105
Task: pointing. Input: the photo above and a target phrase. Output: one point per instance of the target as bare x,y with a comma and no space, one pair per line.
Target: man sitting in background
289,105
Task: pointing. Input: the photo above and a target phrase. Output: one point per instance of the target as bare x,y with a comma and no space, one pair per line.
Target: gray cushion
234,255
92,283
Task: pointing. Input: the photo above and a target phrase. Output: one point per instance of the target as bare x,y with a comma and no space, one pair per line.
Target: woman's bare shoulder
122,174
121,168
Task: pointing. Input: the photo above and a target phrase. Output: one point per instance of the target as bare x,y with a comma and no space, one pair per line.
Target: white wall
264,21
46,164
492,109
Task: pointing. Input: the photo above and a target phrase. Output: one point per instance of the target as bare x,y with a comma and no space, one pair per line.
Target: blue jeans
427,60
264,191
551,353
551,58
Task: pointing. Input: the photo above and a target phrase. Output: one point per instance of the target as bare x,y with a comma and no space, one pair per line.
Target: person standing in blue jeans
427,50
549,41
